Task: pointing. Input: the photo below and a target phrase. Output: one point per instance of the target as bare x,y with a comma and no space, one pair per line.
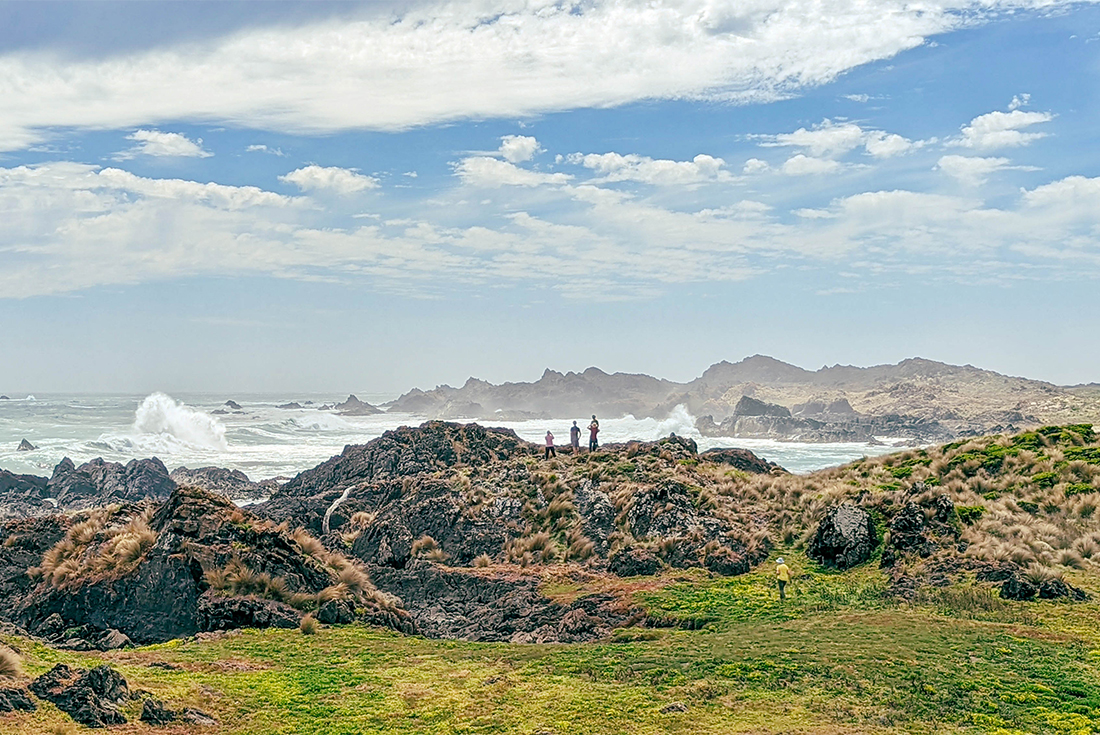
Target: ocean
265,441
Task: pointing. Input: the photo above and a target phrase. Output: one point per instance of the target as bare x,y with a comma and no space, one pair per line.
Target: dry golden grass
11,667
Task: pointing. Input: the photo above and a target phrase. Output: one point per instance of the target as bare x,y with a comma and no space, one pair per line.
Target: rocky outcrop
825,428
844,538
16,699
98,483
25,446
90,697
408,451
93,484
233,405
748,406
166,592
742,459
354,407
230,483
480,605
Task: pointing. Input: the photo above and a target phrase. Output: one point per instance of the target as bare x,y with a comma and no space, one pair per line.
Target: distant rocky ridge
918,399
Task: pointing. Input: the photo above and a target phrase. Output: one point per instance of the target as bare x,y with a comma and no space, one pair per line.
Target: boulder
633,562
1018,588
741,459
844,538
336,612
726,562
154,712
291,405
26,446
233,405
89,697
98,483
229,613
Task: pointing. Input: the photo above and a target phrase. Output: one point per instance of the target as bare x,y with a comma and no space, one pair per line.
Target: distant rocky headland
761,397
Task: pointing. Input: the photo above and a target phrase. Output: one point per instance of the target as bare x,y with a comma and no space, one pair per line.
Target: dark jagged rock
336,612
166,594
634,562
354,407
23,496
230,483
495,606
26,446
408,451
291,405
89,697
727,562
5,398
154,712
741,459
98,483
233,405
844,538
16,699
1018,588
230,613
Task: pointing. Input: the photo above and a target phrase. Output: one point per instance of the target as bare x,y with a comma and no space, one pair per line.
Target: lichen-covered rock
844,538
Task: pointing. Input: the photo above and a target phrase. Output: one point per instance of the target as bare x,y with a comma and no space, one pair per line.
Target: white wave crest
160,415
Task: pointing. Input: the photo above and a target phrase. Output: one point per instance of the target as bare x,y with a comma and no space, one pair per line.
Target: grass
835,657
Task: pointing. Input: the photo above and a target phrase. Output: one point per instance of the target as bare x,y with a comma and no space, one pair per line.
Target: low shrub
968,514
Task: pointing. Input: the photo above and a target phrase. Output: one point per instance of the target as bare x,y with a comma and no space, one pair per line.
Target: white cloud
485,172
72,226
330,178
261,148
973,170
824,139
437,61
519,148
887,145
861,98
156,143
1002,130
830,139
802,165
659,172
755,166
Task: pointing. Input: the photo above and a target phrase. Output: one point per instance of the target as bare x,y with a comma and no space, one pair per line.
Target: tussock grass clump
11,666
95,549
308,625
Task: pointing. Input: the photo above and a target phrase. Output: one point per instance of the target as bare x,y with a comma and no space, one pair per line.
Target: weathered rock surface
844,538
480,605
166,593
16,699
89,697
230,483
741,459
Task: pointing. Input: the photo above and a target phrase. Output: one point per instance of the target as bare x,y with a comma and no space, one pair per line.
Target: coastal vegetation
935,631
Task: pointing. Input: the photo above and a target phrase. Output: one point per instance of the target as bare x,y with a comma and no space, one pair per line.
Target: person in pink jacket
550,446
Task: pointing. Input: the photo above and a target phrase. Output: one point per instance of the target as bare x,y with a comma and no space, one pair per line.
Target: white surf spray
160,415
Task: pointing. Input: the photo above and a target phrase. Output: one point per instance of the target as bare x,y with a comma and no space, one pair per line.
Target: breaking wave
160,416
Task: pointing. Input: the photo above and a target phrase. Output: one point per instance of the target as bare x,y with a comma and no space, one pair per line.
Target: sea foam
161,416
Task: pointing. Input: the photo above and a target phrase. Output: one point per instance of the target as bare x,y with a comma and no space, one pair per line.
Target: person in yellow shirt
782,576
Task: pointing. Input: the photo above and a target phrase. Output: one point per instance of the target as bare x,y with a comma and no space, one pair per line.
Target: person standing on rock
550,446
593,431
575,438
782,576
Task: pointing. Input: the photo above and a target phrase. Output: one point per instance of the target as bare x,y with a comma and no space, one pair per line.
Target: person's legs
553,452
547,454
782,590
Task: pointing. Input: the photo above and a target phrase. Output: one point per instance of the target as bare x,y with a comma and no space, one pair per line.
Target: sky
275,196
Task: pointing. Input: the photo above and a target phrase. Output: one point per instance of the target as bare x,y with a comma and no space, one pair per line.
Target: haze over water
264,441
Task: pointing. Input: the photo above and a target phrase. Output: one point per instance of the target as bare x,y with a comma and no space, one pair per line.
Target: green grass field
836,657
